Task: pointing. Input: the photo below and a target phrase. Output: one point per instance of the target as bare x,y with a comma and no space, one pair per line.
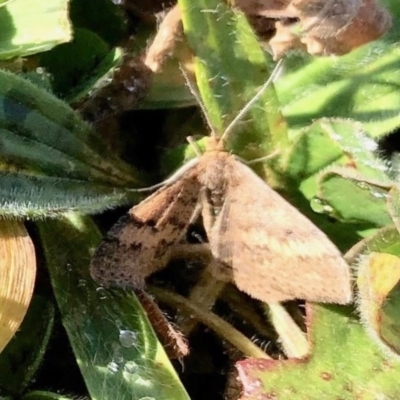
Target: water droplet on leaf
127,338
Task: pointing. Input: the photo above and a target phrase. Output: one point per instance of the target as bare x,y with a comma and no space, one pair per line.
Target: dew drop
102,293
118,359
129,85
147,398
82,283
144,383
378,195
369,144
131,367
127,338
363,185
113,366
320,207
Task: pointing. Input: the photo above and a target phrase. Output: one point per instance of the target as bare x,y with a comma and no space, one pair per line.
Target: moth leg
204,294
222,271
199,252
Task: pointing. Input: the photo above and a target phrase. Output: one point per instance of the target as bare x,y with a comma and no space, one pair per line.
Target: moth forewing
275,252
260,241
141,242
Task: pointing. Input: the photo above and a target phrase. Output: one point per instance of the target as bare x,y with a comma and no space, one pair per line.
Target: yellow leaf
17,277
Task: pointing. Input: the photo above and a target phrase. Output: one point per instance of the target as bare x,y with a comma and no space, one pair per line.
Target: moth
258,240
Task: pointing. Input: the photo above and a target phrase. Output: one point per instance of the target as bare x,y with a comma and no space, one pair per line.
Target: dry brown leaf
163,45
321,27
17,277
269,8
284,40
125,89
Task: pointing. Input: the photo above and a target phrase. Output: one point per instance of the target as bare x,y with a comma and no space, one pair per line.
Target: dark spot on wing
136,246
178,223
151,223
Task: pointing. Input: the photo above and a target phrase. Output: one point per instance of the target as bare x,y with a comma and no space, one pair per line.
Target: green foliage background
325,116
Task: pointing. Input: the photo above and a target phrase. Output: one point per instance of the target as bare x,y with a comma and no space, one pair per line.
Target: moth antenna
261,159
196,95
275,73
193,143
172,179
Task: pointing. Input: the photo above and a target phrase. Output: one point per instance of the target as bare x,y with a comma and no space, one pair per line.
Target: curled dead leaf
319,26
17,277
168,34
369,23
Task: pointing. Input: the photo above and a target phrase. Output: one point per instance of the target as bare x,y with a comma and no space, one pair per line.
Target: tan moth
259,241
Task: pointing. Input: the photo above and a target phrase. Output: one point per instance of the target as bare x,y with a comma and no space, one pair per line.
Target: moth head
217,140
214,144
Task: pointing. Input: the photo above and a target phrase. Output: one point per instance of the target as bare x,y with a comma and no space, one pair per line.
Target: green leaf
230,67
343,364
50,160
4,2
113,341
353,199
334,142
99,77
362,85
168,91
70,64
311,151
321,157
354,183
32,28
358,146
384,240
103,17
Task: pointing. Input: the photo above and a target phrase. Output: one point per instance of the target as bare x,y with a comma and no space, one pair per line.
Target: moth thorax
214,181
215,198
